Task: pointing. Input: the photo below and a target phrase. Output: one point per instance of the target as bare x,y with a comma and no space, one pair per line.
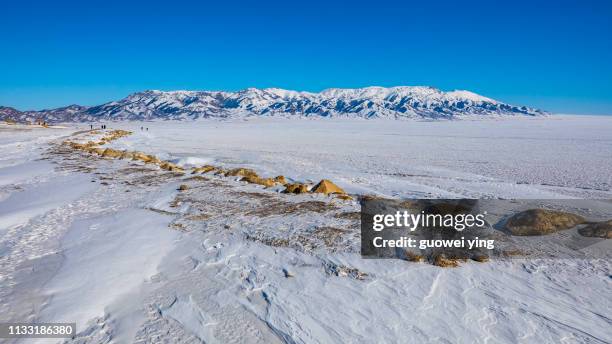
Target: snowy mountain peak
369,102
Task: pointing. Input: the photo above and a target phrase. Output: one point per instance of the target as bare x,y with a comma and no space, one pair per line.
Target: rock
127,155
597,230
80,146
481,258
281,180
204,169
168,166
183,187
240,172
118,133
198,178
541,222
327,187
344,197
154,160
74,145
287,274
113,135
413,257
147,159
251,179
98,151
111,153
267,182
442,261
140,156
296,188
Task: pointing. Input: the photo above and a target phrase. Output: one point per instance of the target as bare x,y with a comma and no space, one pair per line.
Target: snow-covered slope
370,102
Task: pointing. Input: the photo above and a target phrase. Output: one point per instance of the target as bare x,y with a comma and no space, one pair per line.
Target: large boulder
597,230
296,188
327,187
541,222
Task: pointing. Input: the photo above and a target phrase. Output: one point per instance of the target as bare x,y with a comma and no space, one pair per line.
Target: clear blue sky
555,55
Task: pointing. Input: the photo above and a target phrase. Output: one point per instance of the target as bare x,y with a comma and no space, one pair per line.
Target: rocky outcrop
296,188
327,187
254,179
248,175
541,222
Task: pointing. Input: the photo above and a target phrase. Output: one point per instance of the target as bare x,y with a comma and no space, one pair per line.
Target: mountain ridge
400,102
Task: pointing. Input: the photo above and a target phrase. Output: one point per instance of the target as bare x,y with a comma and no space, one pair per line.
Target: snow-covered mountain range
371,102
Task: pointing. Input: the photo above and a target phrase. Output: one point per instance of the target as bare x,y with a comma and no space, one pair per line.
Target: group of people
103,126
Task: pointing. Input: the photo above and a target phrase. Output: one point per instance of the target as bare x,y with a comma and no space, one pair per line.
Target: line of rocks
248,175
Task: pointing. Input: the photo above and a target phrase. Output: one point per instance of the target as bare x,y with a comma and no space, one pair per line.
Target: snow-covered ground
112,244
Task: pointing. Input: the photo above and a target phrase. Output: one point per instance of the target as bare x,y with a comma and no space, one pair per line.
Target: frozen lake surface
568,156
